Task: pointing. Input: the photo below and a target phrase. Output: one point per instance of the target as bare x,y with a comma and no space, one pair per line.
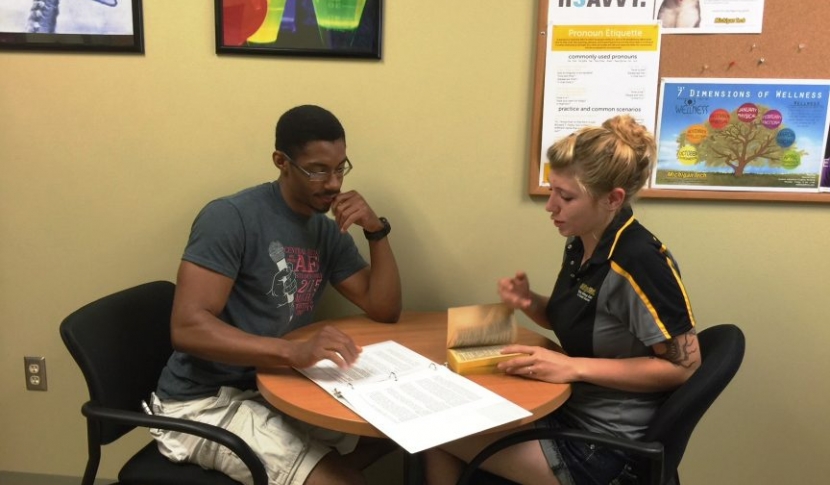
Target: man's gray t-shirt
280,263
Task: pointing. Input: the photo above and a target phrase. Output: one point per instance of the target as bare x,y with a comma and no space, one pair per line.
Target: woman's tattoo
679,349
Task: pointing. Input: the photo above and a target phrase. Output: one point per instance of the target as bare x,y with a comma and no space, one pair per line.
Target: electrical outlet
35,373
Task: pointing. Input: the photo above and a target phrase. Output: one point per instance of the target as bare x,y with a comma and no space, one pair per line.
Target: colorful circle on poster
785,138
747,112
791,159
696,133
687,155
241,18
719,118
772,119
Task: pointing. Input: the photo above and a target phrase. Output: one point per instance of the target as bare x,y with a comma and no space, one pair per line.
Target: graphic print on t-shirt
308,273
298,277
284,283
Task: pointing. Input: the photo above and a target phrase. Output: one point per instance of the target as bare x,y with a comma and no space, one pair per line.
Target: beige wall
106,159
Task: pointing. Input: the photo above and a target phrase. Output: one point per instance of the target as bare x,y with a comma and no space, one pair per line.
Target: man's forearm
203,335
384,283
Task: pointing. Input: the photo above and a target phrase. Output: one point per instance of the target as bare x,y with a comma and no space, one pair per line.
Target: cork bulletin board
794,44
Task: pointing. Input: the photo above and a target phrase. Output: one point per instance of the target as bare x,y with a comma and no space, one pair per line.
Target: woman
618,309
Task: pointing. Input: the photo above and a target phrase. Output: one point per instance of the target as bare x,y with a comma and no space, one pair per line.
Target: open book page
477,325
377,362
431,407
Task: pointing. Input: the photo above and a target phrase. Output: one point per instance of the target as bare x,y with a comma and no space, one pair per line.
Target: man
254,268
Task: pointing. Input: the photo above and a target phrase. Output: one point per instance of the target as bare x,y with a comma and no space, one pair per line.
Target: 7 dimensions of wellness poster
741,134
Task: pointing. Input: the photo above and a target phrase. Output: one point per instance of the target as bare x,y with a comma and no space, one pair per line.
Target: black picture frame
297,28
46,35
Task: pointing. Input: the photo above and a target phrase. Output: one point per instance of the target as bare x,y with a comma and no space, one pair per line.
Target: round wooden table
425,333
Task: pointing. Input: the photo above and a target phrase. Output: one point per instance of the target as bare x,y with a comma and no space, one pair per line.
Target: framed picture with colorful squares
311,28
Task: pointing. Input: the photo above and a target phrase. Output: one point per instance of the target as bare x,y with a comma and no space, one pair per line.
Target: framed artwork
71,25
311,28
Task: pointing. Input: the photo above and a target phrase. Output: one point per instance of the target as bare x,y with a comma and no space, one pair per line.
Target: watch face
374,236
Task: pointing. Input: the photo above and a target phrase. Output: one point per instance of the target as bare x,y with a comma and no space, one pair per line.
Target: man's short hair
305,124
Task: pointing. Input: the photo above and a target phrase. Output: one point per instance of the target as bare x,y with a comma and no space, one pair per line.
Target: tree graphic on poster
750,135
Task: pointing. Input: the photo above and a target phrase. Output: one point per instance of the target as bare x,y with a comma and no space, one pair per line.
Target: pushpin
801,47
731,64
752,47
761,60
705,67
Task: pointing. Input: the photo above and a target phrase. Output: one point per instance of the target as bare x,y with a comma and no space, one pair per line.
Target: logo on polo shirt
586,292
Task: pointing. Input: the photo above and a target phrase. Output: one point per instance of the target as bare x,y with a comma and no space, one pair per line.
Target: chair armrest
210,432
652,451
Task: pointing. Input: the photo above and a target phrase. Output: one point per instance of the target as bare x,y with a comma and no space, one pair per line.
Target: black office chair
662,447
121,342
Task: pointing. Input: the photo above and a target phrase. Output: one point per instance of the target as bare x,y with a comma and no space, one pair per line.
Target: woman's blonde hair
620,153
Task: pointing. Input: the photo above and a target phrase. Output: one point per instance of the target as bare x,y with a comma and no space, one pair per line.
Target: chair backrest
722,349
121,342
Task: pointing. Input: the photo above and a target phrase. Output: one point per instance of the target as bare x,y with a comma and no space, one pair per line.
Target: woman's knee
441,467
334,470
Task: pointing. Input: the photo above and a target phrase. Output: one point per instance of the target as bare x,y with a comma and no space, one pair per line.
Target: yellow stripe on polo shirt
619,233
618,269
676,274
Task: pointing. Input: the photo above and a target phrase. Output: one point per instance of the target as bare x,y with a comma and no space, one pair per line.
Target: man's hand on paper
540,363
329,343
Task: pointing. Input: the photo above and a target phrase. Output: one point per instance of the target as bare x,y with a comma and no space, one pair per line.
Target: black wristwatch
380,234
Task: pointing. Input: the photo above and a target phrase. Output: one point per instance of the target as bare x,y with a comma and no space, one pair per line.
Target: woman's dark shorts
579,463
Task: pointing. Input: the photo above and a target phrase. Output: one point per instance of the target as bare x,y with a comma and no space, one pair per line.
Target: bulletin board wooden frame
789,47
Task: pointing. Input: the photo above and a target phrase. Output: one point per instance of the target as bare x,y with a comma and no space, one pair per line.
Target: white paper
677,16
595,72
600,11
412,400
710,16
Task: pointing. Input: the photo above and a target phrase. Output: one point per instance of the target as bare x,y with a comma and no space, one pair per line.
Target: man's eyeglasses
338,172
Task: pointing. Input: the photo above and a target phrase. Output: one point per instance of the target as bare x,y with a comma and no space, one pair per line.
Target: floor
15,478
387,471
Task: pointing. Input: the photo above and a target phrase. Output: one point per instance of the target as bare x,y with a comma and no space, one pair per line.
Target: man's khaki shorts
288,448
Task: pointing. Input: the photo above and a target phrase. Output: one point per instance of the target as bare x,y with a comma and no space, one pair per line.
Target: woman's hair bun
631,133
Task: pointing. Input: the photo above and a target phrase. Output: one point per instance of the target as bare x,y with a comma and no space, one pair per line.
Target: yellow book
477,360
476,335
